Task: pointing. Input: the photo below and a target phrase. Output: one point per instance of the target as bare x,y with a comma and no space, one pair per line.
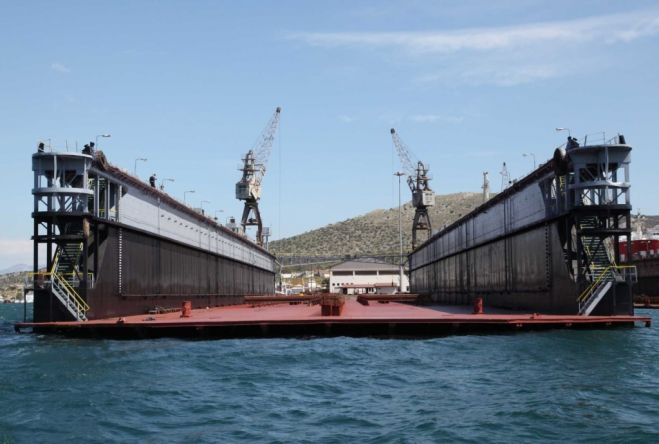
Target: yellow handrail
77,299
584,295
56,261
72,274
82,305
90,274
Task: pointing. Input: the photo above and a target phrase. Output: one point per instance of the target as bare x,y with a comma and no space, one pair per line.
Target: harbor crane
248,188
418,181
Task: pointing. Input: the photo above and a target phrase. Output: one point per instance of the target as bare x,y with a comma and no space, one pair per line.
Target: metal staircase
602,273
66,264
64,278
592,296
593,245
69,297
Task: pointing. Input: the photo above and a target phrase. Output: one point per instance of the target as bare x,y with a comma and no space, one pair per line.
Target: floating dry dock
299,319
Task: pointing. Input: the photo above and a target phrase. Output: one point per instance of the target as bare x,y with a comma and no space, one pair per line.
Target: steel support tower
61,217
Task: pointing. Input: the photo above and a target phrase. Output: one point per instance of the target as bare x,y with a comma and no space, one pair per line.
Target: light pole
531,155
201,205
558,130
162,183
101,135
217,211
143,159
185,193
400,235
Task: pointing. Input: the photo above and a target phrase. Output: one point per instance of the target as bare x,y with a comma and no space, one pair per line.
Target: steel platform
298,320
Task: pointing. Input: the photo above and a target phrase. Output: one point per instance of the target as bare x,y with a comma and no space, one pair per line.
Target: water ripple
574,386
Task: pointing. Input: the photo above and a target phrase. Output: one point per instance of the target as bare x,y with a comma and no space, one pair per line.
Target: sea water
550,386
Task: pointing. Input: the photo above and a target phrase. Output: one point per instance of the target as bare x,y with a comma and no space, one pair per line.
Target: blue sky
190,85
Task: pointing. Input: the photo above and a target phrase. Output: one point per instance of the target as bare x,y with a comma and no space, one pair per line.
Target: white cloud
607,28
15,246
59,67
346,119
500,56
15,251
435,118
500,72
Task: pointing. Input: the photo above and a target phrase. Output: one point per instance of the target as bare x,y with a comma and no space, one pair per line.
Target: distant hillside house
365,277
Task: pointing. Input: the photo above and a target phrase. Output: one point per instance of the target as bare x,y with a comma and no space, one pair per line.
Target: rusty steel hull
140,272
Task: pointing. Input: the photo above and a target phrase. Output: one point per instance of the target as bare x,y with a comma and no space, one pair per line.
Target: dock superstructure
115,245
549,243
124,257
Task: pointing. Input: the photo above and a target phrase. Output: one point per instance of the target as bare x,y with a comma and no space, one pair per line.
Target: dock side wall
524,271
149,271
509,252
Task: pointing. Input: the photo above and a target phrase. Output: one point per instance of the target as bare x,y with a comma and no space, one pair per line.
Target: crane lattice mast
486,187
248,188
418,181
505,177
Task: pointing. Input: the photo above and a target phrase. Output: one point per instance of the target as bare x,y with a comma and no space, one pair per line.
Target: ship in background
645,257
551,242
116,246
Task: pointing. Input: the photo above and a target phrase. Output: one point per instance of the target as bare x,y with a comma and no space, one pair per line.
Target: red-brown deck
283,319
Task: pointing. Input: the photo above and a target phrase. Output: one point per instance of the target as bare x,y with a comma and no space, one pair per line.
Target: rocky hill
375,232
650,223
11,285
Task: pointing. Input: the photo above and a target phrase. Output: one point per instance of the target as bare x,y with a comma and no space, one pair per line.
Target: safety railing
80,304
605,273
111,214
72,278
57,281
561,184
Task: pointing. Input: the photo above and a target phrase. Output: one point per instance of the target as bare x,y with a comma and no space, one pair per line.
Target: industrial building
366,276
